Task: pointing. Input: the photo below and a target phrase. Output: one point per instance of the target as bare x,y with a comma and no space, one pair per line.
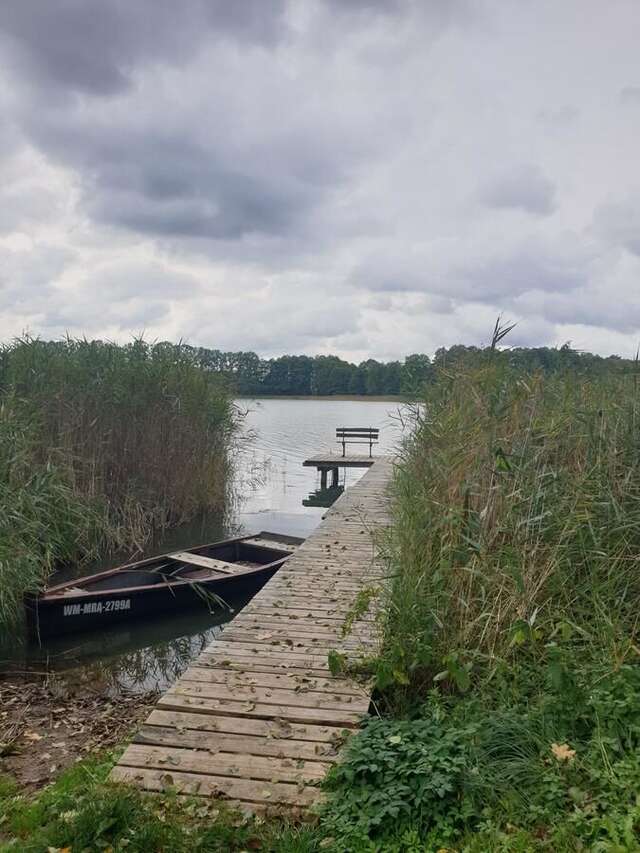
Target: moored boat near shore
166,583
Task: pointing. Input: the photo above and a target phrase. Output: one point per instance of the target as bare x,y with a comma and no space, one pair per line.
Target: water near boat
273,492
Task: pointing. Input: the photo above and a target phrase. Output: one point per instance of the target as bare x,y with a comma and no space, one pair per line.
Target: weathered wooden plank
217,763
214,742
272,696
243,790
261,664
289,680
261,710
277,729
204,562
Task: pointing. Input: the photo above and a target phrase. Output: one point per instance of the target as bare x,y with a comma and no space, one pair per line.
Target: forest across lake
328,375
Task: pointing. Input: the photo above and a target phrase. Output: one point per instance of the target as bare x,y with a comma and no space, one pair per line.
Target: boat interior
196,565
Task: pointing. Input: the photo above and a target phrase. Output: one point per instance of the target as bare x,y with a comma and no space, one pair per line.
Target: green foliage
399,775
82,812
305,375
100,444
531,773
511,663
517,506
43,520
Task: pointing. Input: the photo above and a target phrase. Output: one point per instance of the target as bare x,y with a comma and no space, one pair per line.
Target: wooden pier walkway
258,718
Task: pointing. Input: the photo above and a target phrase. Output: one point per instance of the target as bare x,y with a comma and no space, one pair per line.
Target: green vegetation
80,813
510,678
99,445
509,682
325,375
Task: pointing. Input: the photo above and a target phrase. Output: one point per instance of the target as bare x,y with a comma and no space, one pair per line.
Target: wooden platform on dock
336,460
258,718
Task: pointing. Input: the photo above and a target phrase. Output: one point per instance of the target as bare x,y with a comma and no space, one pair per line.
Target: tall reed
100,445
517,508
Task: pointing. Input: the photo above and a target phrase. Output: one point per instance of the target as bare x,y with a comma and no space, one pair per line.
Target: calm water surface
270,486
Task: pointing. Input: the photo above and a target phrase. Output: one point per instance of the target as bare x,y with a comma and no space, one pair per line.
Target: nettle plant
395,773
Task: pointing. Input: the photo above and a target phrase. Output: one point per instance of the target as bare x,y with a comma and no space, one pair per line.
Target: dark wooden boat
167,583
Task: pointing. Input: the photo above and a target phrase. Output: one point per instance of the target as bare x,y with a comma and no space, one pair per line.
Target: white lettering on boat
92,607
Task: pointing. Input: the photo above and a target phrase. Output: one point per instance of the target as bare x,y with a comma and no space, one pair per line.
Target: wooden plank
285,680
262,664
218,786
204,562
298,643
276,544
294,656
240,765
289,697
261,710
214,742
276,730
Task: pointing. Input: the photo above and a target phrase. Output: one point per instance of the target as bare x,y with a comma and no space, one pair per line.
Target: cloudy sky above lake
364,177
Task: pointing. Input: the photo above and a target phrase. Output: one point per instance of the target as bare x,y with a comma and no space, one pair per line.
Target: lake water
271,489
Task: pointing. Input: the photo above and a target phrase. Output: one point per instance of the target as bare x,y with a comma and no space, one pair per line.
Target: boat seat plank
276,544
204,562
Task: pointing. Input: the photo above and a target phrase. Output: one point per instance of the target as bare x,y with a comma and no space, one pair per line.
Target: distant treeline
326,375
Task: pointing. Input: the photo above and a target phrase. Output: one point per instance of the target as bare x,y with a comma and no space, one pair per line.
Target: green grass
511,623
100,445
82,812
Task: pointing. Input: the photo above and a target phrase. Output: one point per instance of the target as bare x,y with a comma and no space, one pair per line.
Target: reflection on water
137,656
324,497
275,493
286,433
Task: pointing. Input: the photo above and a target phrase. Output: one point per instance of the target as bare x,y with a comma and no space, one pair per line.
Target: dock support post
334,478
323,478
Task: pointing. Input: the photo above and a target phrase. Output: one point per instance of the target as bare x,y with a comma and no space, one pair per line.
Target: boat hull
59,612
67,616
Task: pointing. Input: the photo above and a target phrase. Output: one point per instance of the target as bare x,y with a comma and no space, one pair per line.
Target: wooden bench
357,435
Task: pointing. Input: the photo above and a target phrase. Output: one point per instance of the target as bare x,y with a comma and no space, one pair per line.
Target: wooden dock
335,460
258,718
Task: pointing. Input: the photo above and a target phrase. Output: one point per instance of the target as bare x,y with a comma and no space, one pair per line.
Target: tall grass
101,444
517,506
509,680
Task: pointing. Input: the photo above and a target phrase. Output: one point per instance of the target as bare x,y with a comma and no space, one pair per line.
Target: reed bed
509,681
100,445
517,524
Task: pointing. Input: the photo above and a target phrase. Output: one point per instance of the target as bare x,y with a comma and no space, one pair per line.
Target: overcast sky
364,177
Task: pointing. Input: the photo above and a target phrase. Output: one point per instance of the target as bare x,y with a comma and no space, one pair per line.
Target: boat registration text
96,607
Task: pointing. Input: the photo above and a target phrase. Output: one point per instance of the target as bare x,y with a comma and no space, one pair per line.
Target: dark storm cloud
386,7
524,188
162,182
94,46
211,175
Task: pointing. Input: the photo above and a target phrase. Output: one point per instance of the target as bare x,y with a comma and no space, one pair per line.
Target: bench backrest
357,435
